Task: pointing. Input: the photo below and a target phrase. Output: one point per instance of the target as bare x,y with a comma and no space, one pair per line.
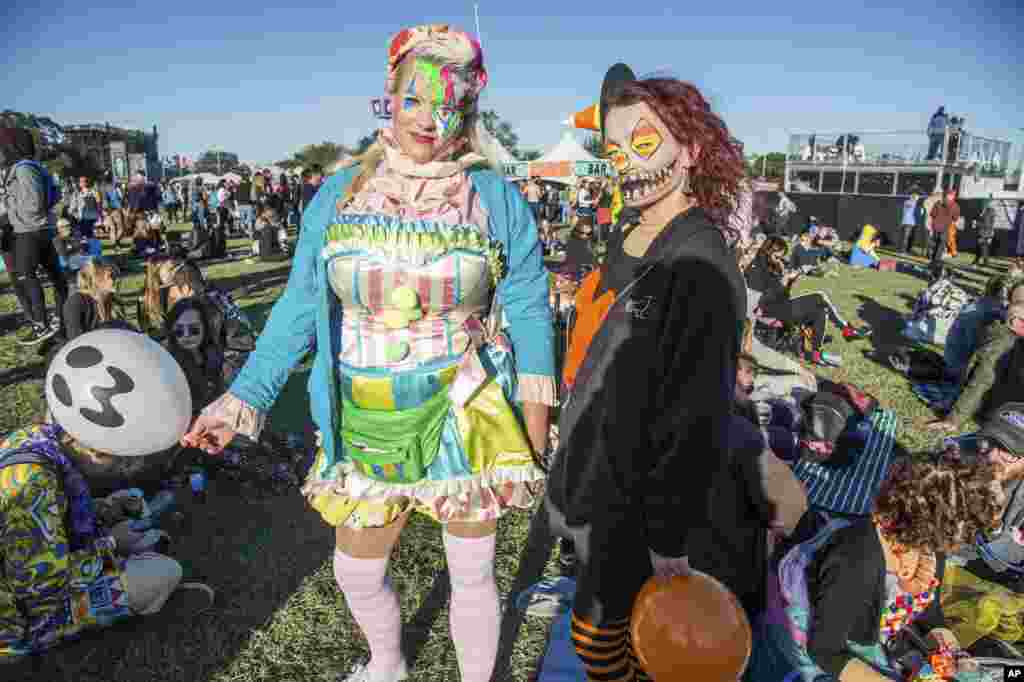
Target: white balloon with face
650,162
188,329
119,392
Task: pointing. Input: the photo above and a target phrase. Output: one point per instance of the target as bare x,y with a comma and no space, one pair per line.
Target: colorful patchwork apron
411,294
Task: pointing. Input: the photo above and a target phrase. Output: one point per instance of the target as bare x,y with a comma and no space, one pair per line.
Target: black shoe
36,334
990,647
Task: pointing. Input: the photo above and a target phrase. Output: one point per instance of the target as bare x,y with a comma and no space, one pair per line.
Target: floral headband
460,53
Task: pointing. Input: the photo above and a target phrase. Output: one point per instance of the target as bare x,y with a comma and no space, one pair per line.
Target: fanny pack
394,446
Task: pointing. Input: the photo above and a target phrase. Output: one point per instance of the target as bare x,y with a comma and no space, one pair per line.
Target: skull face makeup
430,110
188,329
650,162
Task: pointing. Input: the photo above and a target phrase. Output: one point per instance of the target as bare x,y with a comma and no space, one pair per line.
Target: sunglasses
187,330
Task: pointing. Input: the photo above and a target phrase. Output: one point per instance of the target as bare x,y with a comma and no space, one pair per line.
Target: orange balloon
690,628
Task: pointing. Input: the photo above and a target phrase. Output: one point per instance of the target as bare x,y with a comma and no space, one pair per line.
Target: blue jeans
247,216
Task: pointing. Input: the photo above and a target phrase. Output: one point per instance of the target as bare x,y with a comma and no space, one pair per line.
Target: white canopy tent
568,149
566,162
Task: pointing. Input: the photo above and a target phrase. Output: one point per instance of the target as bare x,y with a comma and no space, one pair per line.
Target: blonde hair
158,274
480,140
89,284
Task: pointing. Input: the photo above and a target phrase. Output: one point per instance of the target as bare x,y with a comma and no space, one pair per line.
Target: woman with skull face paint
655,344
409,263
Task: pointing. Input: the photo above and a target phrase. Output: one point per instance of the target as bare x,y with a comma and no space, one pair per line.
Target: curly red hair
719,167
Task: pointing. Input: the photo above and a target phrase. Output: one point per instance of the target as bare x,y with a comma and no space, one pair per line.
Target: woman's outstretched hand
209,434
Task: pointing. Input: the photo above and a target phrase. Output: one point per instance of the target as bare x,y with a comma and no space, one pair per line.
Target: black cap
1006,427
617,76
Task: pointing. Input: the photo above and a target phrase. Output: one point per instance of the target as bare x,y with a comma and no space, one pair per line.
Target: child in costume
61,570
655,345
409,261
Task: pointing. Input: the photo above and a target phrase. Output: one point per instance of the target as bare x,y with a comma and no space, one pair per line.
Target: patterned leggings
607,651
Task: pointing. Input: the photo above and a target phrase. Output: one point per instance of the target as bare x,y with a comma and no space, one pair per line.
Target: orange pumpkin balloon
690,628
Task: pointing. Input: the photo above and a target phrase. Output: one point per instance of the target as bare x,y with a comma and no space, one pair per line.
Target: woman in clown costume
419,282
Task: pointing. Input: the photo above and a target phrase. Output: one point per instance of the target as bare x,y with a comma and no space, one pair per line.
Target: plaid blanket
852,489
938,396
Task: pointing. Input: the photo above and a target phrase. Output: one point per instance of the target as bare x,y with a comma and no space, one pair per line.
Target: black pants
984,248
936,246
907,237
612,565
31,250
19,291
812,310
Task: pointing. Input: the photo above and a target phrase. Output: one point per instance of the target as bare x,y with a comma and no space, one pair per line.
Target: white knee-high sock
475,614
374,606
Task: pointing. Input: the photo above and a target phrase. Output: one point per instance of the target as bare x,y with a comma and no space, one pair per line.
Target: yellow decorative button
405,298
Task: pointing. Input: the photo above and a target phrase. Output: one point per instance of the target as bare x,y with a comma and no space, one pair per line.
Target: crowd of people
433,394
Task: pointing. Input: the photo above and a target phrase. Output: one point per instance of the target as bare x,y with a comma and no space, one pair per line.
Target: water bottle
197,481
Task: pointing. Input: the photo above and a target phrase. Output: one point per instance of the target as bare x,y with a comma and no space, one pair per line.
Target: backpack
227,306
934,312
53,194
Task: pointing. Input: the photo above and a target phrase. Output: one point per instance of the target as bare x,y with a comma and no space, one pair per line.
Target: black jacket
761,278
644,433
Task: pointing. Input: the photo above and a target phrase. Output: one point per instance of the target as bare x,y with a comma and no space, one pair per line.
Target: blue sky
264,81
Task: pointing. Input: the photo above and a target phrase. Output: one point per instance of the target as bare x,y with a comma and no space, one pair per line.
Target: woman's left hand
665,567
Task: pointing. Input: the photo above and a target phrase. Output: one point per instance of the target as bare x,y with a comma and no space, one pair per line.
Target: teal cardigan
301,320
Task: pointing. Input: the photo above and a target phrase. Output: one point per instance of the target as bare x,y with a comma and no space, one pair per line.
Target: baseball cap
1006,427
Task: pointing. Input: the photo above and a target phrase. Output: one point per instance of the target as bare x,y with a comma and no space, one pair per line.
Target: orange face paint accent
645,139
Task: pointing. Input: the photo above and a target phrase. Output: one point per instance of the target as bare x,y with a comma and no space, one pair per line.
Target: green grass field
279,615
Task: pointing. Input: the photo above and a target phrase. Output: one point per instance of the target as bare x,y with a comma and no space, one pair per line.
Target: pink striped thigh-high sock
374,606
475,615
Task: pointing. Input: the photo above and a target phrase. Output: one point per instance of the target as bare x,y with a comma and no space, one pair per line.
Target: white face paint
650,162
188,329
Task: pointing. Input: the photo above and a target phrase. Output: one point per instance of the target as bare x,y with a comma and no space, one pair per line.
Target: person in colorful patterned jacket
61,571
410,264
844,588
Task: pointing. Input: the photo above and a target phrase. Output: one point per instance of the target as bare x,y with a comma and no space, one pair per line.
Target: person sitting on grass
864,251
994,563
845,588
963,336
189,341
996,375
768,275
805,257
92,305
62,571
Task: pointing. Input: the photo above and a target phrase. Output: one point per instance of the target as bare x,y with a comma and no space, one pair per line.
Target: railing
984,155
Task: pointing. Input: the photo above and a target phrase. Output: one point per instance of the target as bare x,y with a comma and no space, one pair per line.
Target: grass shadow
886,329
532,561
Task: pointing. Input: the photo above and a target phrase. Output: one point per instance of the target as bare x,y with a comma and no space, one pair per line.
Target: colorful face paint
430,109
649,161
646,139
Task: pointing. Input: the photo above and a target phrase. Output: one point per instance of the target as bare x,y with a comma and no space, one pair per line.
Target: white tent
559,163
567,149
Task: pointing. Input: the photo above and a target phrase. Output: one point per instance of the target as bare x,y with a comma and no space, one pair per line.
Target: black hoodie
646,429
